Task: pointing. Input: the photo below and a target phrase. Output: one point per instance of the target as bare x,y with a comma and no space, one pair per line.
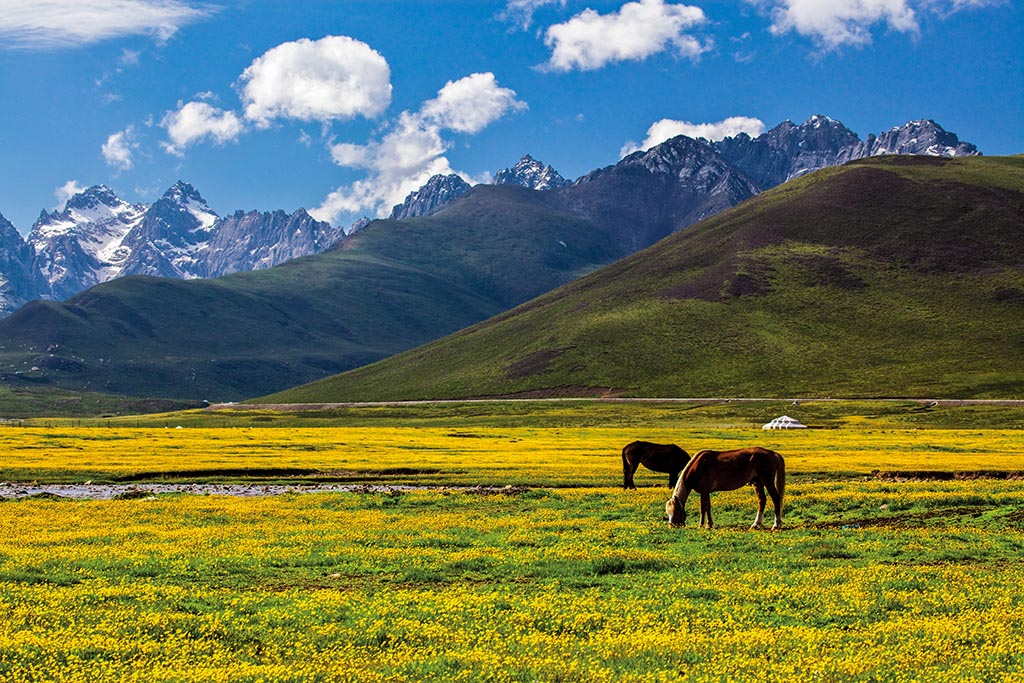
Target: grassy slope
246,334
895,276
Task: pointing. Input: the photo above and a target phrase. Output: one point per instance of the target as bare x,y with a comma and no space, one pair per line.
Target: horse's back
724,470
658,454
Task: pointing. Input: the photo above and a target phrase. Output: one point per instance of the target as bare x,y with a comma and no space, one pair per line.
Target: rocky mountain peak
528,172
359,224
437,192
92,197
183,192
923,136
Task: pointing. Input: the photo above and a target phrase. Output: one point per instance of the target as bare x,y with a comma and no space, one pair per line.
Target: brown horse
657,457
724,471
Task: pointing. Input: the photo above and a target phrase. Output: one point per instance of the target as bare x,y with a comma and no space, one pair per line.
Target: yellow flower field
479,455
573,579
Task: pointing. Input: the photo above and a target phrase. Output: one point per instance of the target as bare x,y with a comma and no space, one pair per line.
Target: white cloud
470,104
834,23
118,148
638,30
521,11
333,78
400,162
66,192
666,129
413,148
50,24
129,57
196,121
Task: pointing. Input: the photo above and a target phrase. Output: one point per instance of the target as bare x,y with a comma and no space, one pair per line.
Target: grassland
571,579
886,277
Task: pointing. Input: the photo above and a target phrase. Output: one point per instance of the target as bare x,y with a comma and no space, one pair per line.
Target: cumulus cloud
413,148
666,129
638,30
470,104
66,192
51,24
521,11
334,78
834,23
196,121
118,148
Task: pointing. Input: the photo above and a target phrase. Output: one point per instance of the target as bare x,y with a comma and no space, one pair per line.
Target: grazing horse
724,471
658,457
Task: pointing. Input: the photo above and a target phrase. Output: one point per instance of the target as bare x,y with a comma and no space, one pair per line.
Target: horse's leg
705,509
773,491
673,477
761,500
628,470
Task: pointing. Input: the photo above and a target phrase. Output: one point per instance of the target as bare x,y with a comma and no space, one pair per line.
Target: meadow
563,577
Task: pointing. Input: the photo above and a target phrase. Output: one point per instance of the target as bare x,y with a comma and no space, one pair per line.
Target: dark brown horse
724,471
657,457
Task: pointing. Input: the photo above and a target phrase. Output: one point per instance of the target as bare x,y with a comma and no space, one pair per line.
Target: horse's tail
780,479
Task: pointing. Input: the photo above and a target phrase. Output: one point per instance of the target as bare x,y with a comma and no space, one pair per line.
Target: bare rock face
924,137
650,194
433,196
253,240
20,277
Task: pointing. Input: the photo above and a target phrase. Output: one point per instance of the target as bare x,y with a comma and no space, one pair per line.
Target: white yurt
784,422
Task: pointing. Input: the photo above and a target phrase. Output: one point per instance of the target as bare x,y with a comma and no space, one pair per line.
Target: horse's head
676,512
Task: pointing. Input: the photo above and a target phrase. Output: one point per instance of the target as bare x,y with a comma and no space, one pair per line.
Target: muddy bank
939,475
16,491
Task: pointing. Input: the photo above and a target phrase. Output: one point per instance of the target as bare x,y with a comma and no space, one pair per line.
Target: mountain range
393,284
99,236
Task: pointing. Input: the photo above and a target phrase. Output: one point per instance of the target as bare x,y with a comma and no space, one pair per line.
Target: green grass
391,287
647,416
885,278
545,586
19,403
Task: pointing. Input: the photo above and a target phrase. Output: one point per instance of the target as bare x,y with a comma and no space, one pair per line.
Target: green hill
894,276
391,287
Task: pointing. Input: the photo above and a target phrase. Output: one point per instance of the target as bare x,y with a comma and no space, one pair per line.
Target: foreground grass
872,581
573,580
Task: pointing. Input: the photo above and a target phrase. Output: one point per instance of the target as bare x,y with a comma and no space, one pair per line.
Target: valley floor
495,543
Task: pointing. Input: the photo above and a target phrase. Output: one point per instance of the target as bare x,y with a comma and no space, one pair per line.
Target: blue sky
342,107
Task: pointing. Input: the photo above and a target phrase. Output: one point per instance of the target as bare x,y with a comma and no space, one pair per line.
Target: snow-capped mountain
788,150
254,241
528,172
170,239
81,245
98,236
20,279
438,191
